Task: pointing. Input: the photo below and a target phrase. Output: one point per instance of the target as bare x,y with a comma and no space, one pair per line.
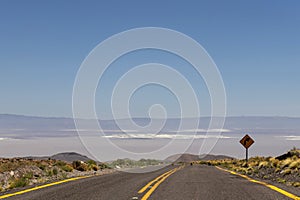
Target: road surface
173,182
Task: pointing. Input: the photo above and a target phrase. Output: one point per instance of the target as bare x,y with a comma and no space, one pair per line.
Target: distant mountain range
191,157
73,156
19,126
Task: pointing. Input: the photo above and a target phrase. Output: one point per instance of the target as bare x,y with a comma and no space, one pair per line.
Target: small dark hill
291,153
70,157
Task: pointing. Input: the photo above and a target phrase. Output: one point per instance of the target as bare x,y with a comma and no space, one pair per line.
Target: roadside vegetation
128,163
282,169
21,172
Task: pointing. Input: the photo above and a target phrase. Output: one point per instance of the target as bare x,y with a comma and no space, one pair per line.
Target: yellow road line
148,194
290,195
153,181
42,186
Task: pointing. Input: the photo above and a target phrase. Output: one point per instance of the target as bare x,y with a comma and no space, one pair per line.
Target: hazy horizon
47,136
147,117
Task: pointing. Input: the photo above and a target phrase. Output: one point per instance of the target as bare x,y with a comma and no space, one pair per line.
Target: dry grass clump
285,163
263,164
274,162
295,164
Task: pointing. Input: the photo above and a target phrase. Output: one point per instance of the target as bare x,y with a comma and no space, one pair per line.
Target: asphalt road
187,183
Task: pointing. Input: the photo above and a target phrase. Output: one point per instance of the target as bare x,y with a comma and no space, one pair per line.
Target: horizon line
145,117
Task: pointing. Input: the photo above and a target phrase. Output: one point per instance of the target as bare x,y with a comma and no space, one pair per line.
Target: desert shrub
29,175
60,163
64,175
263,164
91,162
253,163
274,162
287,171
55,171
244,164
296,184
67,168
266,176
9,166
93,167
295,157
80,166
42,167
280,180
277,170
76,164
295,164
49,173
20,182
225,164
285,163
103,166
83,167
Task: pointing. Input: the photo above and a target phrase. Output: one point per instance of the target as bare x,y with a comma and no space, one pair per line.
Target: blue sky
255,44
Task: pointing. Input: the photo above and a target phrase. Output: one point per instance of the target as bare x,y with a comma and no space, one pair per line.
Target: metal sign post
247,155
247,141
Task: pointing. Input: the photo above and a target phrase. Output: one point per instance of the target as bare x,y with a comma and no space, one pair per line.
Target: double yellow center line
156,182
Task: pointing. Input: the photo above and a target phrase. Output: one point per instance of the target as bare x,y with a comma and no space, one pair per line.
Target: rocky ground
284,169
21,172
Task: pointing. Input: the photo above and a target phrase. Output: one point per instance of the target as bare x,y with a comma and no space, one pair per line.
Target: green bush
50,173
21,182
67,168
91,162
60,163
103,166
280,180
55,171
42,167
64,175
29,175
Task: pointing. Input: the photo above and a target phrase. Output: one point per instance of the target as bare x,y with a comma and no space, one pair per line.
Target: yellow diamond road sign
247,141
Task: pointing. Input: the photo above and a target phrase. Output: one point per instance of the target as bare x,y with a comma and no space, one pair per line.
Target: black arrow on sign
247,139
